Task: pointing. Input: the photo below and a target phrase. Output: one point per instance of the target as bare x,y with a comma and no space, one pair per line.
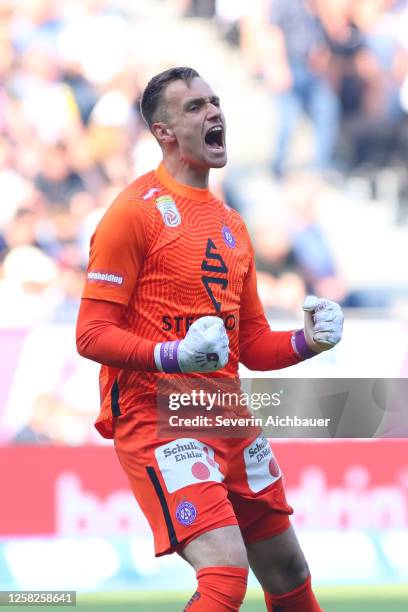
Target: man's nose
213,111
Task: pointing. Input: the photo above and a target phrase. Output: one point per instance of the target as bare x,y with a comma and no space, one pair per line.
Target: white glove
323,323
204,348
323,327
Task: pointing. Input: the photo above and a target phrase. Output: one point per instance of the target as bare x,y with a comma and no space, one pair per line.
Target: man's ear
163,133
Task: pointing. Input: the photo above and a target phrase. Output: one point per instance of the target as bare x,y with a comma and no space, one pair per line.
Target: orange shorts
188,486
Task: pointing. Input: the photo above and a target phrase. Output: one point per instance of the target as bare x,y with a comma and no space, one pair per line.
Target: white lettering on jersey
105,277
261,466
187,461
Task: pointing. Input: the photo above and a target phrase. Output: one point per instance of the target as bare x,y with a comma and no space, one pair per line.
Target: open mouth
214,138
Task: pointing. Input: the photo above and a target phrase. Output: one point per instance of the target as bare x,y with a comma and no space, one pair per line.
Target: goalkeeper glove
323,327
204,349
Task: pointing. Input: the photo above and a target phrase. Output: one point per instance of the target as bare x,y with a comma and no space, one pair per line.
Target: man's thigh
179,487
256,491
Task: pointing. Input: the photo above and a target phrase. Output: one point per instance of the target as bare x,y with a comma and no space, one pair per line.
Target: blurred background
315,94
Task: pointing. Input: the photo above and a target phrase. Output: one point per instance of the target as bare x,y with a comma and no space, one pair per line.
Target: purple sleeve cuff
301,346
168,356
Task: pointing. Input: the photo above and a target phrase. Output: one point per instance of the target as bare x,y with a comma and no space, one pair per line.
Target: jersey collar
192,193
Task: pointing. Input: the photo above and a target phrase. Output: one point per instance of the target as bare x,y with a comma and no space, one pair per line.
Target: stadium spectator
280,285
296,71
345,41
85,93
40,426
310,246
57,180
53,420
14,188
368,66
69,285
26,287
47,104
197,8
22,229
245,25
293,252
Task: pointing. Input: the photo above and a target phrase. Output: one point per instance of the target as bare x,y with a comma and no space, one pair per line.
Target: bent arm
263,349
99,337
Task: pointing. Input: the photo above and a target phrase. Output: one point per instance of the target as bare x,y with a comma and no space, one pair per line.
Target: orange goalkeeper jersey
171,254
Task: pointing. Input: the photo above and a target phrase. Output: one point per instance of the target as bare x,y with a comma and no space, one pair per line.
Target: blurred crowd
71,135
342,62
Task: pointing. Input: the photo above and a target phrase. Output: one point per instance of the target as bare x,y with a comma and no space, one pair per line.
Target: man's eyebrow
213,99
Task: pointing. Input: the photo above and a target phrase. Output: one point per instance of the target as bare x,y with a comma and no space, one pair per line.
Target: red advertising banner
72,491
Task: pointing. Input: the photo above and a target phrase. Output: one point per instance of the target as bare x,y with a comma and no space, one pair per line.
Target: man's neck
186,174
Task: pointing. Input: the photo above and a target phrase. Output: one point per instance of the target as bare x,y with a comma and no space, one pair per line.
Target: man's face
196,122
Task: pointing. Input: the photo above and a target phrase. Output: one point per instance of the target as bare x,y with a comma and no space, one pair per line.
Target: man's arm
99,337
263,349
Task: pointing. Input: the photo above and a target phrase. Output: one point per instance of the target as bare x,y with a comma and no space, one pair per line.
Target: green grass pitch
332,599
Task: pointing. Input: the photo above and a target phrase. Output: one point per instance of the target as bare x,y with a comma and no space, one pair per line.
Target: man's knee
295,568
287,573
279,562
285,576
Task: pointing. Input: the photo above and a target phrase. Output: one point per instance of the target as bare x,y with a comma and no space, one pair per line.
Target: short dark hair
153,94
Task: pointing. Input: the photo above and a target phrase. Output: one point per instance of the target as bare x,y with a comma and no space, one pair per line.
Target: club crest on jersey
168,210
186,513
228,237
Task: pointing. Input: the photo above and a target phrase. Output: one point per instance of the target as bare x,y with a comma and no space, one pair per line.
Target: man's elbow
84,344
81,346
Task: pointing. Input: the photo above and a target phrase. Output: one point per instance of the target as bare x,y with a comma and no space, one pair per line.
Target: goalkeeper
171,289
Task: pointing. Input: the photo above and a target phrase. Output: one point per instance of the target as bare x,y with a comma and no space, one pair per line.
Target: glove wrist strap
166,356
300,345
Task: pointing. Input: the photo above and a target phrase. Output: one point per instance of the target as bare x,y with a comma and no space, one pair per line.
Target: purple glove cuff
168,356
301,346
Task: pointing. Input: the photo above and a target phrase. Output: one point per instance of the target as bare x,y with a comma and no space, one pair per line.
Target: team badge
228,237
186,513
168,210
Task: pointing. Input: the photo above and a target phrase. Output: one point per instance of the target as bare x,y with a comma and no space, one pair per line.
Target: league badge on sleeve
168,210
